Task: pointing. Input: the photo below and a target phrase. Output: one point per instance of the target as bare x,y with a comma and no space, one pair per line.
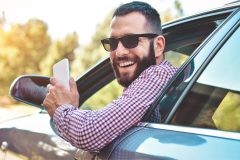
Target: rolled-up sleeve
92,130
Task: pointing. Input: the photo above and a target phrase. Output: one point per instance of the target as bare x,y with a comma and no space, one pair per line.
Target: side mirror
30,89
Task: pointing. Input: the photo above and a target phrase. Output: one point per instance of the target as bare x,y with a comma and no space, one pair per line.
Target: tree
28,49
58,50
172,13
21,50
89,55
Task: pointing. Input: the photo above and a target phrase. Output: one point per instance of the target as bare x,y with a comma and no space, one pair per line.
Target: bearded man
136,47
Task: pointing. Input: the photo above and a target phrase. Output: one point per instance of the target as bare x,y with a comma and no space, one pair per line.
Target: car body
200,105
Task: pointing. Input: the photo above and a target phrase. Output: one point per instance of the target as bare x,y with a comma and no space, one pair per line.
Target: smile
126,64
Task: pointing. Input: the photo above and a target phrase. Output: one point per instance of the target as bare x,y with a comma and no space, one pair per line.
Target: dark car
200,105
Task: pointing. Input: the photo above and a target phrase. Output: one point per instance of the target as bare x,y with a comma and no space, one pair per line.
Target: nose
121,50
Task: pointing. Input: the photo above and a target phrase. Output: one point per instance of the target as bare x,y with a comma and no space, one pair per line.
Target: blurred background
36,34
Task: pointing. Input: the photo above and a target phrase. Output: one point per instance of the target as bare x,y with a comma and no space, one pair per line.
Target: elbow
92,142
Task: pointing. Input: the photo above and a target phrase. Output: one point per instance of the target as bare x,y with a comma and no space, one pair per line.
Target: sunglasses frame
125,41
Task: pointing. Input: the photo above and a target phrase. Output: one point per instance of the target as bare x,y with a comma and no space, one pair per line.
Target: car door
179,45
171,140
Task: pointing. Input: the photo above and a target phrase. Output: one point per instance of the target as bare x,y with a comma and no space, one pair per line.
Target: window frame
200,53
222,35
207,96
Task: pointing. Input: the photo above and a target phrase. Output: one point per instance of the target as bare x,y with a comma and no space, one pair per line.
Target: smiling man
136,47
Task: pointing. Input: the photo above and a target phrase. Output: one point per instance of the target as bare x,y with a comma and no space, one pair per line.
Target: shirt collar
164,62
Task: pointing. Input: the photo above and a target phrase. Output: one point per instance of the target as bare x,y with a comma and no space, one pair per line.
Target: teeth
124,64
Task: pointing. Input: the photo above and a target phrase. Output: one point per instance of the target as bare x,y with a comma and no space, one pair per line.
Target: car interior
214,100
180,44
204,106
180,47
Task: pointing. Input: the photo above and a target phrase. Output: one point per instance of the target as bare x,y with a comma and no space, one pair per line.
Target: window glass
176,58
103,96
180,44
214,100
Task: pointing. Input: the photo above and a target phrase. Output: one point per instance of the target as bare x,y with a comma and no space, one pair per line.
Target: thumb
74,91
73,85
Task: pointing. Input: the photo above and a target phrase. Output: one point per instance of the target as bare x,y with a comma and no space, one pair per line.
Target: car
199,106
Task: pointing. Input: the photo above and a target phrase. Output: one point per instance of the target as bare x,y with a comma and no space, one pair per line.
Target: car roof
226,7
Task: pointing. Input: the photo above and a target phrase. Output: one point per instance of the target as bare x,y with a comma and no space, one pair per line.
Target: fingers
53,80
73,85
55,86
49,86
58,94
74,92
49,100
50,104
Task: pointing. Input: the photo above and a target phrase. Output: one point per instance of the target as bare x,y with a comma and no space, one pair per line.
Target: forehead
130,23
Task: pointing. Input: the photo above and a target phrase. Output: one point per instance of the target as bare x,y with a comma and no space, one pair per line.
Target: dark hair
151,14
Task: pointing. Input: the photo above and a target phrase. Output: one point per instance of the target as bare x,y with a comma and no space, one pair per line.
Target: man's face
128,68
128,64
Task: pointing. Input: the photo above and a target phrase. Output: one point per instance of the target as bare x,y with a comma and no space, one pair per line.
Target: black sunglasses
128,41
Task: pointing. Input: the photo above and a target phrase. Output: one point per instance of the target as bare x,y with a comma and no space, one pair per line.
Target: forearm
92,130
70,123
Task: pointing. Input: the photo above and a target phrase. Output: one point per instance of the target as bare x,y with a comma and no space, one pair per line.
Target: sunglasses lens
106,44
113,43
130,41
109,44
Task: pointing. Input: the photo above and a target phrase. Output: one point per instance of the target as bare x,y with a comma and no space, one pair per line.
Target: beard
124,79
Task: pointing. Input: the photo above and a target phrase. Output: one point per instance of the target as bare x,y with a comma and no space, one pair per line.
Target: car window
103,96
214,100
180,44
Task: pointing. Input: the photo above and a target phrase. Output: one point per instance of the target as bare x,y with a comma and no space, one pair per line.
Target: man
136,52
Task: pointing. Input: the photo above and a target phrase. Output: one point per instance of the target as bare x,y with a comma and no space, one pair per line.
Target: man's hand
59,95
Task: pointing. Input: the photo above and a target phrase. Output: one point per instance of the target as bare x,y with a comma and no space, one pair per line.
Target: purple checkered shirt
92,130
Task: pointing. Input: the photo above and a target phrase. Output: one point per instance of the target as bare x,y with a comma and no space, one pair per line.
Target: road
13,111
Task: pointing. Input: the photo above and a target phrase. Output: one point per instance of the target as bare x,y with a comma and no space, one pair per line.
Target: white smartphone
61,72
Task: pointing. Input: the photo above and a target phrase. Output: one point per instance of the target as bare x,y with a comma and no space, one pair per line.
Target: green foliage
90,54
58,50
175,58
227,115
178,7
21,50
28,49
167,15
104,96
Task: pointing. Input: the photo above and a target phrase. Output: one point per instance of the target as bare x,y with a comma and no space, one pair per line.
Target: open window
214,100
182,39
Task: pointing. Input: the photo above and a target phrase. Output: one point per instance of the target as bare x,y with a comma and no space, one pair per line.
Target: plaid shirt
92,130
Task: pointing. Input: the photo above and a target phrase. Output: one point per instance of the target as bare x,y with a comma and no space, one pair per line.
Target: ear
159,45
